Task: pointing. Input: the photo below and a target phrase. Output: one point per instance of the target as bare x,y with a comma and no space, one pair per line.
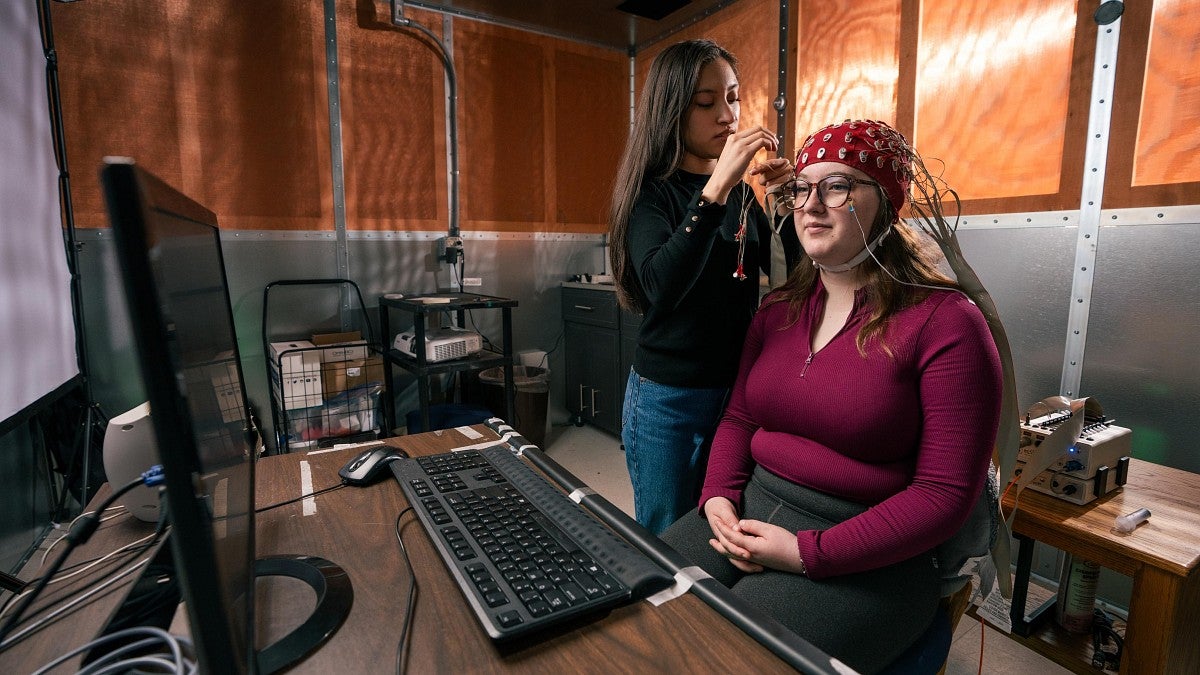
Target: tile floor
596,457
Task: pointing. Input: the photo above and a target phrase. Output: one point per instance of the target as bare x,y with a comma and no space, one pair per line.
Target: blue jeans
667,432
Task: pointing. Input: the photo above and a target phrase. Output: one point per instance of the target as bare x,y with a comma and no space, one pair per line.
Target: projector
441,344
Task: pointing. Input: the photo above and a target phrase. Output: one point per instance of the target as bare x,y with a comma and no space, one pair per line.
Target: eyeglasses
832,191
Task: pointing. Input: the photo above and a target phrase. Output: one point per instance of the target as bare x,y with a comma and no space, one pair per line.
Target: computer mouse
370,465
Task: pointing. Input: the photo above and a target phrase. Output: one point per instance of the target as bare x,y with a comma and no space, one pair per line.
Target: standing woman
687,241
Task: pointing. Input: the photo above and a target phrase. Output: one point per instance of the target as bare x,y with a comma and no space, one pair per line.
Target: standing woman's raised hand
774,171
740,148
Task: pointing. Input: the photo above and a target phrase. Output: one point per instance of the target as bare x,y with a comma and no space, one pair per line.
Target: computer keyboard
524,555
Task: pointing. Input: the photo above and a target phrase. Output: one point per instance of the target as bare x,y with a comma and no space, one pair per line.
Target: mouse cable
322,491
412,596
182,654
80,532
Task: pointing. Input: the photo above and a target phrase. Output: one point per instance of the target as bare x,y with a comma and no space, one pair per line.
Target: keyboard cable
401,655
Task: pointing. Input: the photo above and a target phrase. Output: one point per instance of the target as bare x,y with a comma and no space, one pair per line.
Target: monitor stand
334,598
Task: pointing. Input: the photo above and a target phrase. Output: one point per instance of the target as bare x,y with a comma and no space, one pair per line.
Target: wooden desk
355,528
1162,556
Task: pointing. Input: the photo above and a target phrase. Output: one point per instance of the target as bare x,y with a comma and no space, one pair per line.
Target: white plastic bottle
1076,603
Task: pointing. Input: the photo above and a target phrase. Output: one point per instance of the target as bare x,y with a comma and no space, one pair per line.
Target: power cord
81,530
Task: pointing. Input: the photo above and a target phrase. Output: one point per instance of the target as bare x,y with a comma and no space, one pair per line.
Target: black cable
80,532
51,600
98,580
322,491
1102,632
412,598
59,138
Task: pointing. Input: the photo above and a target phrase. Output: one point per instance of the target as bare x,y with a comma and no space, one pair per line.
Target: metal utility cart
324,370
422,307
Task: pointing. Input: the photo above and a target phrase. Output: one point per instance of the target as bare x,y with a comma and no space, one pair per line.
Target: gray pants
866,620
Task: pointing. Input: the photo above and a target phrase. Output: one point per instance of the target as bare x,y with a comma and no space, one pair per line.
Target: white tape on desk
341,446
309,503
578,495
683,582
486,444
469,432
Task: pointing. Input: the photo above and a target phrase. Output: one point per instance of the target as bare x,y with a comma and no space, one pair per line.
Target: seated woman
860,427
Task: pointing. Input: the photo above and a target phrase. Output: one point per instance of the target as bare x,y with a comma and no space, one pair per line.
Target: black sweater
684,256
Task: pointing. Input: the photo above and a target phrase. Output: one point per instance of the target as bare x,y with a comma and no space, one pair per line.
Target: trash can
532,398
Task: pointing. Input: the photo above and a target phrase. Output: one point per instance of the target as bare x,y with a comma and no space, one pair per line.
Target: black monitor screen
174,276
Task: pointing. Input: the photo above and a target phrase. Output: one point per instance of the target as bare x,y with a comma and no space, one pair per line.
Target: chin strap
856,260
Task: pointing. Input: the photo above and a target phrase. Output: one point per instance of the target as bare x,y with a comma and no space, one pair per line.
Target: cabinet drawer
598,308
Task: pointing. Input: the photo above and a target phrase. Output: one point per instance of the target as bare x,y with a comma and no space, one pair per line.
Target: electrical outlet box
472,281
450,249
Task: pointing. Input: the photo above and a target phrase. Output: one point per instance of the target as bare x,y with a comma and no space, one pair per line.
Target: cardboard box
321,339
347,346
348,375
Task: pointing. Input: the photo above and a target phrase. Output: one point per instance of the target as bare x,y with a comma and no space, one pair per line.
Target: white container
1076,604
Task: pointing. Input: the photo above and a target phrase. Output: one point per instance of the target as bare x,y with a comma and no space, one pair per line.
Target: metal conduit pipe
400,21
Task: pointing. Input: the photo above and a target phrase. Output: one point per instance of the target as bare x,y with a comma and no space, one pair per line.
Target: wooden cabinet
600,340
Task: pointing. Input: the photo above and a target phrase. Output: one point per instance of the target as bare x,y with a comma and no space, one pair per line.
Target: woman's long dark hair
906,256
655,147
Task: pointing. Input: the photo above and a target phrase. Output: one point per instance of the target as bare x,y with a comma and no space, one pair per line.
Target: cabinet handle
595,413
581,407
585,308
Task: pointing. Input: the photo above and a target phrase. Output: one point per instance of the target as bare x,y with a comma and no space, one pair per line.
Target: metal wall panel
1027,271
528,268
1141,361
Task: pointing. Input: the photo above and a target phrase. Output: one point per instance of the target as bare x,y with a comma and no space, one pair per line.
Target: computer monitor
169,251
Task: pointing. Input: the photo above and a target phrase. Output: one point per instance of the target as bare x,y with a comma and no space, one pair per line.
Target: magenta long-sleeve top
909,434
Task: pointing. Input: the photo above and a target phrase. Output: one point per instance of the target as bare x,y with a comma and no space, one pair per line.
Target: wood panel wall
1154,146
228,101
994,101
225,100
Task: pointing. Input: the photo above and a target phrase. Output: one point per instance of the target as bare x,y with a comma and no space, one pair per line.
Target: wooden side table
1161,555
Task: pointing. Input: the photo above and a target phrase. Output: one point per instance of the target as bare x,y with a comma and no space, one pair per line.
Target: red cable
981,636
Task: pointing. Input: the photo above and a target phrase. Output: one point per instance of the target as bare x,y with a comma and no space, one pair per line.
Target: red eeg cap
870,146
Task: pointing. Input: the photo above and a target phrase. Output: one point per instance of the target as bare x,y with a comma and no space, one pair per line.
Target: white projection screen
37,332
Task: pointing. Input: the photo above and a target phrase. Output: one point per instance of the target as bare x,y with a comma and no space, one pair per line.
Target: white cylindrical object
1076,603
1130,521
